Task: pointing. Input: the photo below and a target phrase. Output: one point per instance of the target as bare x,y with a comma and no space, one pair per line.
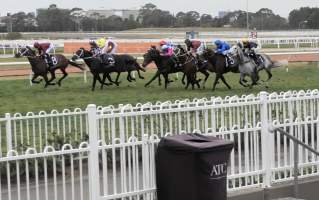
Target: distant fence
111,150
141,45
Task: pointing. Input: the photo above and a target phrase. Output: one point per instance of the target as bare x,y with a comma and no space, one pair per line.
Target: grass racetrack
16,95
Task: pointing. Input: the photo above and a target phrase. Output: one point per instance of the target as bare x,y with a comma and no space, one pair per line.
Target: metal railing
296,142
114,147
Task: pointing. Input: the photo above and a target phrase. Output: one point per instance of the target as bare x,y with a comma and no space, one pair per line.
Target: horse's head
81,53
151,55
179,50
208,53
25,51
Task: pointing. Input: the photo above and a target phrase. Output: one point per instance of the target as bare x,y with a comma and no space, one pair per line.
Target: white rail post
8,132
266,140
94,176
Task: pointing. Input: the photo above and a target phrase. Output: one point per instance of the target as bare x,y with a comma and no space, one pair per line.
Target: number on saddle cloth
54,60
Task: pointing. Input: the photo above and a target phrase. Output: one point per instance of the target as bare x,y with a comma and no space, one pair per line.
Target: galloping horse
40,67
247,67
123,63
166,66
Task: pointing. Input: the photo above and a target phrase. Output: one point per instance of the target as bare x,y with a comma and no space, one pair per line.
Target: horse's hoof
141,77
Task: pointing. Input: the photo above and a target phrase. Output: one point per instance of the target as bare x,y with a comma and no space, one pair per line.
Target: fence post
8,132
94,176
266,140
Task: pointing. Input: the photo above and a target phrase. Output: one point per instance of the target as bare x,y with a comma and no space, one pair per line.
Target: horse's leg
52,72
197,81
103,81
241,82
34,77
206,77
183,79
157,75
269,73
47,83
131,77
188,79
110,79
216,81
166,80
63,77
139,74
224,81
94,81
117,78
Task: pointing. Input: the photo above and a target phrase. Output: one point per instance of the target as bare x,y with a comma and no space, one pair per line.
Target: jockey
108,48
166,49
44,50
250,49
194,46
223,48
95,49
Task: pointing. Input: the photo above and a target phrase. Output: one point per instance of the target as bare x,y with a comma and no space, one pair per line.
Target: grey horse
246,66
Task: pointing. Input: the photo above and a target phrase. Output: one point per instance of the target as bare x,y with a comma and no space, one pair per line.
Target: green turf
19,96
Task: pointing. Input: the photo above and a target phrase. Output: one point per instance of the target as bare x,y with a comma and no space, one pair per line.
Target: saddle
50,60
257,58
107,59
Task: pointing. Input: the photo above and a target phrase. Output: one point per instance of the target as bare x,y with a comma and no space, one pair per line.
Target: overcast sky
282,7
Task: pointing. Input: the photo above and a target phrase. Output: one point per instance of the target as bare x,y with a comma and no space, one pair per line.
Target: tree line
57,19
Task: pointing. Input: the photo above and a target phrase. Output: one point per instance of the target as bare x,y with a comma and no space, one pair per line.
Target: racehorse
40,68
247,67
218,64
166,66
123,63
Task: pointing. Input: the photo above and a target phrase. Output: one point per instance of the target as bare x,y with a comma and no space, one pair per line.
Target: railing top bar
293,138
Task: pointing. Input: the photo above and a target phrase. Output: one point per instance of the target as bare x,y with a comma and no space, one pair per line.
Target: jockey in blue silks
222,47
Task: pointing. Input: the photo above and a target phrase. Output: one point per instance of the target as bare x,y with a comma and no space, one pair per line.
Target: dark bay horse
165,66
40,67
123,63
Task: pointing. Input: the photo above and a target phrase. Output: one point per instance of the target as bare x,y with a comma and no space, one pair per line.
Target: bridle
81,55
24,52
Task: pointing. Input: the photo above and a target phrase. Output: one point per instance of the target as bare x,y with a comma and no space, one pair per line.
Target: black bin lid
194,143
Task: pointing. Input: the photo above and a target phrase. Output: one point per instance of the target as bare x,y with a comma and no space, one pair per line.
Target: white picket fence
110,150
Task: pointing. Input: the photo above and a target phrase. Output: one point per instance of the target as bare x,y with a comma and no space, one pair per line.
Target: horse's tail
76,65
280,63
138,66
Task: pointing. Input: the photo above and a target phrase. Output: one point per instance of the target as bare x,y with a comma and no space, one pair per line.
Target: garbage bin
192,167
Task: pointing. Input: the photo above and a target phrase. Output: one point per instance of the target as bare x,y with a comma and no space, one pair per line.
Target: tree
304,17
54,19
206,20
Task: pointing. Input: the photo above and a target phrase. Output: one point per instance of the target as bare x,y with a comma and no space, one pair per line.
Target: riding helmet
36,45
